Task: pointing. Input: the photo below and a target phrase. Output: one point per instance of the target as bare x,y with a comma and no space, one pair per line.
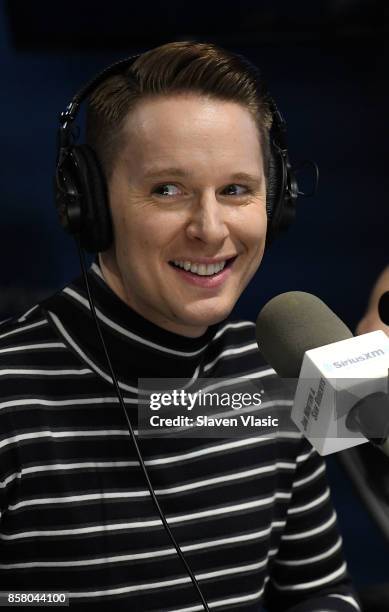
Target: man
183,139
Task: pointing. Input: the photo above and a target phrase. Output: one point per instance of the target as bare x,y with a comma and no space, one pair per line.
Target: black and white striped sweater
253,515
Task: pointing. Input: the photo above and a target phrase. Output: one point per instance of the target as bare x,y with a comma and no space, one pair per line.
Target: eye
167,190
235,190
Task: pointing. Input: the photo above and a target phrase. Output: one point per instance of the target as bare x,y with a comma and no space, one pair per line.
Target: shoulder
28,345
19,332
234,333
234,349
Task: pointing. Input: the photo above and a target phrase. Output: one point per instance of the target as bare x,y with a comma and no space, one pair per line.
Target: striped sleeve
309,573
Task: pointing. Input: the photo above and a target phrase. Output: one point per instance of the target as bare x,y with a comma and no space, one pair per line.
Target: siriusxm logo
353,360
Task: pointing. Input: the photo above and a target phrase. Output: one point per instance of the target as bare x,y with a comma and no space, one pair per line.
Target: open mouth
207,270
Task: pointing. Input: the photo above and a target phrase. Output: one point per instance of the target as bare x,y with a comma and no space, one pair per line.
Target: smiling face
187,196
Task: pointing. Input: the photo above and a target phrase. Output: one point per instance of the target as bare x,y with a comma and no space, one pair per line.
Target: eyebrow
237,176
250,178
155,173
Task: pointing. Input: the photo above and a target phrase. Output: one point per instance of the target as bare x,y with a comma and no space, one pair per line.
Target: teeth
200,269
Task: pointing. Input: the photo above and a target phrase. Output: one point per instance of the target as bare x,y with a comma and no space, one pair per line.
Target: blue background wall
331,86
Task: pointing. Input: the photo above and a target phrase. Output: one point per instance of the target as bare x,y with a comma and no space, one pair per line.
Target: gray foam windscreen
291,324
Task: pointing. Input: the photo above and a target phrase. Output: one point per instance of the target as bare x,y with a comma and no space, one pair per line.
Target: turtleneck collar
137,347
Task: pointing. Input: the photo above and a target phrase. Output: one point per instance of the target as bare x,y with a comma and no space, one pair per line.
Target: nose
207,222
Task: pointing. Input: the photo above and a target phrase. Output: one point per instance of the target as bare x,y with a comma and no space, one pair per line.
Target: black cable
131,431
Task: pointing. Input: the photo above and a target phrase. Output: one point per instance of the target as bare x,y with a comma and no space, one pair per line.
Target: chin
204,317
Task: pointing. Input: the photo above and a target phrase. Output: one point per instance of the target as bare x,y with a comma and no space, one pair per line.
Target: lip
206,282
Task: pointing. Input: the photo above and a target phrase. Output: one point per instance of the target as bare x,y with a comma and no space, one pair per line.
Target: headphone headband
67,117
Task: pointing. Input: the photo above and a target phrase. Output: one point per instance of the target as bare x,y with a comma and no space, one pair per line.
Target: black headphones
81,193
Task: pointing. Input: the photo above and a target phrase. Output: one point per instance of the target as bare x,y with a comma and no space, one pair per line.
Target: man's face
187,189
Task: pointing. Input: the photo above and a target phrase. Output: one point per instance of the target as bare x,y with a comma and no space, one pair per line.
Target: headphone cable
131,431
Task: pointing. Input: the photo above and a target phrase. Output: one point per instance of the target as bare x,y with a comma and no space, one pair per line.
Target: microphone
293,323
302,338
383,307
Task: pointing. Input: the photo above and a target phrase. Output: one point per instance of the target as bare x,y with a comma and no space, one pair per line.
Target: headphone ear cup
273,193
96,224
272,183
281,196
